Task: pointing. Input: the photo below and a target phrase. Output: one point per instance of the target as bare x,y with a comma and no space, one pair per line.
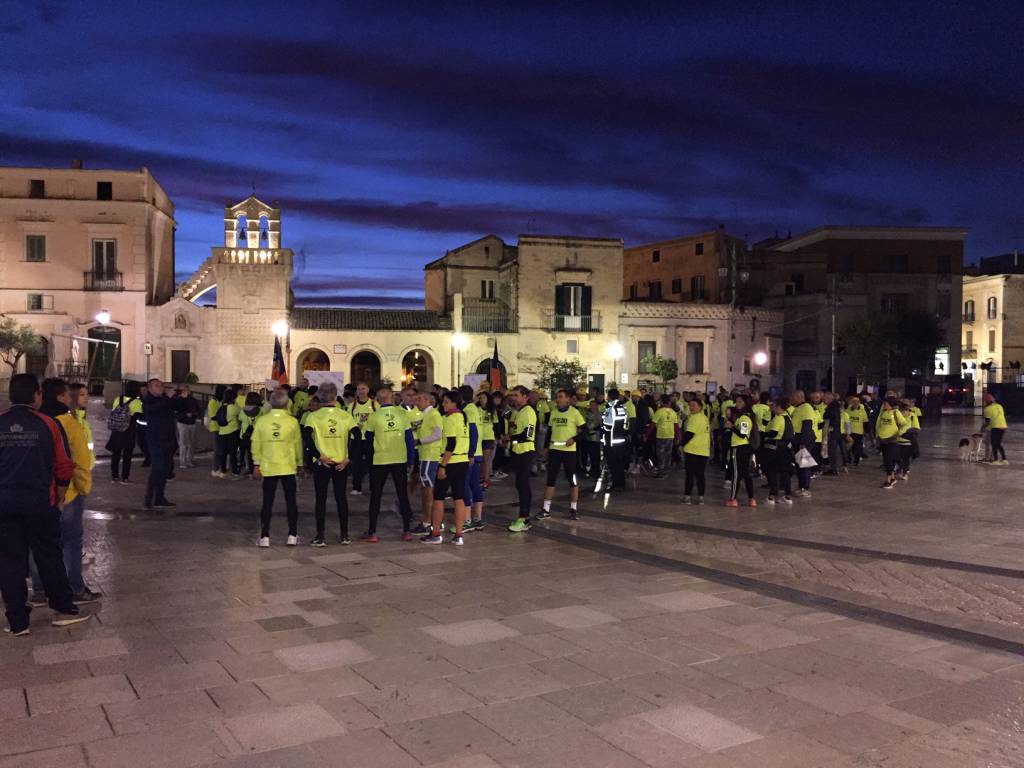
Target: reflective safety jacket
615,424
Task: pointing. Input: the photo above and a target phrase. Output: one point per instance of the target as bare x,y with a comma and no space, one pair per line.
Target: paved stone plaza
859,628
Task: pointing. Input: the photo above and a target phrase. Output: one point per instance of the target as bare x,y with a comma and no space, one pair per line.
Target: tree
665,368
16,341
885,346
553,374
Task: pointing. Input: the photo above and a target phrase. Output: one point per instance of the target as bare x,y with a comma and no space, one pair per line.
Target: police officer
615,430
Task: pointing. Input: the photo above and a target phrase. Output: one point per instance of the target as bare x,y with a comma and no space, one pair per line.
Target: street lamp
280,328
760,358
103,316
460,341
615,352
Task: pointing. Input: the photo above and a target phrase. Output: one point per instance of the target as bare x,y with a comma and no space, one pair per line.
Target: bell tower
252,276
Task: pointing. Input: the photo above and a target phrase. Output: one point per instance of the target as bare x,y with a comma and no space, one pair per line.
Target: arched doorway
417,367
365,368
105,353
485,369
37,361
314,360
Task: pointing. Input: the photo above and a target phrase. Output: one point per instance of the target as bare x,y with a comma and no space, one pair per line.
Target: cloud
359,300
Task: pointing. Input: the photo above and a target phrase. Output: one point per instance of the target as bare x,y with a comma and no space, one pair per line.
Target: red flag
495,374
278,372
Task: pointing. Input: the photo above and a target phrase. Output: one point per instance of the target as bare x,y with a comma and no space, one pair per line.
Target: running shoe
431,540
731,503
519,525
369,538
318,542
264,542
542,515
457,541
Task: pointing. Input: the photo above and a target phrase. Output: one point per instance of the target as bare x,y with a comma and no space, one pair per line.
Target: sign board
147,348
474,380
271,384
316,378
624,378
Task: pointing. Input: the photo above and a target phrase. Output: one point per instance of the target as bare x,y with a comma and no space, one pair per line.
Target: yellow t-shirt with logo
665,421
524,423
430,420
455,425
388,425
564,425
700,427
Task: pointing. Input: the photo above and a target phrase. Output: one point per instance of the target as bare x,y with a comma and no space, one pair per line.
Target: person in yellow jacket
277,455
995,423
58,405
212,406
331,429
857,415
887,432
522,438
696,439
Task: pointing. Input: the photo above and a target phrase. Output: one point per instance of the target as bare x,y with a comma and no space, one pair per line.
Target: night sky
392,134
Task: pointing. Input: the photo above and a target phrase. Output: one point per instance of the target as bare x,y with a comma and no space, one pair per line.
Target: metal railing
103,281
583,323
969,352
488,316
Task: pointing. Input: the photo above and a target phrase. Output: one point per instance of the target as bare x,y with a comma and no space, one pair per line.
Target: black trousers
890,457
269,491
694,467
121,462
858,449
159,470
617,458
361,462
521,464
379,474
245,461
996,437
740,462
28,528
227,449
323,479
593,458
779,465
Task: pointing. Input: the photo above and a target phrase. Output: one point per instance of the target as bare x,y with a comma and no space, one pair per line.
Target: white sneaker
354,492
686,499
292,541
264,542
217,474
457,541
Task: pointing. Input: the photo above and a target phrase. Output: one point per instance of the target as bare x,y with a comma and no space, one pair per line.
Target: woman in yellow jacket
277,456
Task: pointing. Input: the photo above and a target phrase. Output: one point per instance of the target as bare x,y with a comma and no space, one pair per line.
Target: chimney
76,164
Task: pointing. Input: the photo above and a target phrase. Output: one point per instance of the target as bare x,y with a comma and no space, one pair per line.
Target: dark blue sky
391,133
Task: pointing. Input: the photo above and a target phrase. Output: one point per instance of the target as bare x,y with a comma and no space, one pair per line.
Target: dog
965,450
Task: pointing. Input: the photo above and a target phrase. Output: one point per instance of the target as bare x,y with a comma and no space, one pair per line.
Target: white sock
547,505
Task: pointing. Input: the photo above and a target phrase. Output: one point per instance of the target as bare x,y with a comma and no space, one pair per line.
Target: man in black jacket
160,412
834,426
188,418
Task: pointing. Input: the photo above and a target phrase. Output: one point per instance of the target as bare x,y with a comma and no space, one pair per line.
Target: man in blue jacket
160,412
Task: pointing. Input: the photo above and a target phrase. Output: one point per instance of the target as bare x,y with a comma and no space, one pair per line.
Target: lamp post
460,341
615,352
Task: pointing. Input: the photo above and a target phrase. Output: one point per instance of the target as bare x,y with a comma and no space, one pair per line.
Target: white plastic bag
804,460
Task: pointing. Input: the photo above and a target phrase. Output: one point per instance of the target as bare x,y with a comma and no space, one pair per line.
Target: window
797,279
695,357
697,288
104,258
572,346
969,311
773,362
677,285
991,310
845,268
573,307
654,289
35,248
894,303
645,349
991,340
943,305
486,289
39,302
633,290
37,188
944,264
746,366
969,342
104,190
698,249
898,262
656,256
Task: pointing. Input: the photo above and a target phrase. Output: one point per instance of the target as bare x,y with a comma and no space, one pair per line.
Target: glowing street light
460,341
615,352
760,358
103,316
280,328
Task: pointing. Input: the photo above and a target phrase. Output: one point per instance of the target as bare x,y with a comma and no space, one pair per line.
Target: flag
495,374
278,372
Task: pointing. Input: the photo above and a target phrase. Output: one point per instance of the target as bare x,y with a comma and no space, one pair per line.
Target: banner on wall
316,378
474,380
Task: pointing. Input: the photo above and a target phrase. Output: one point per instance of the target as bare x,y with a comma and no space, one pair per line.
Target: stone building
993,329
693,268
858,272
78,246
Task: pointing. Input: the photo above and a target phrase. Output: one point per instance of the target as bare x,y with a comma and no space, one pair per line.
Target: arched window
365,368
992,305
264,232
485,368
243,226
417,367
314,360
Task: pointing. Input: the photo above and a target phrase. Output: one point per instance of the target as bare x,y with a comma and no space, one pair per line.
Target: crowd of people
432,444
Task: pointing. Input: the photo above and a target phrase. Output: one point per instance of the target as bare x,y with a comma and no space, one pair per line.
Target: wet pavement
858,628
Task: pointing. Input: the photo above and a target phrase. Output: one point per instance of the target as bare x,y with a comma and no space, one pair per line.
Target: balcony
968,318
581,323
103,281
487,316
969,352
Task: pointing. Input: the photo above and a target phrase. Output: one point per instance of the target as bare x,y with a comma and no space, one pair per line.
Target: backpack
120,419
221,417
